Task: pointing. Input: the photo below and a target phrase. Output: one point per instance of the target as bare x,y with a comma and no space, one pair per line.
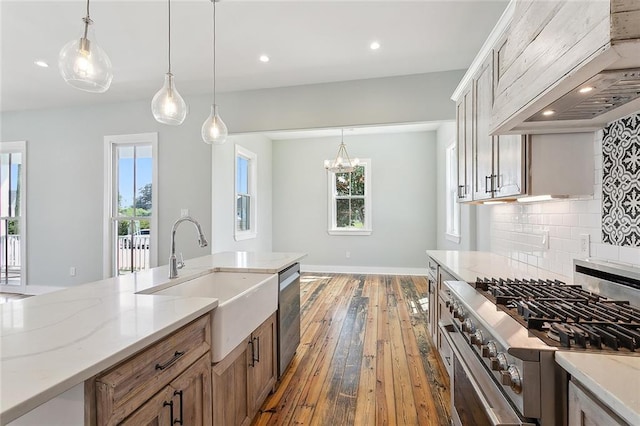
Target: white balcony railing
133,253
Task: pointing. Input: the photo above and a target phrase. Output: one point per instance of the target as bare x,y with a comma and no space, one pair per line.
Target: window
13,240
131,203
350,201
245,194
453,207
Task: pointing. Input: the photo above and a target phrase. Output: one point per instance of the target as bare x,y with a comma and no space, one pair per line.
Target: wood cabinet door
483,175
192,394
157,411
262,368
585,410
229,380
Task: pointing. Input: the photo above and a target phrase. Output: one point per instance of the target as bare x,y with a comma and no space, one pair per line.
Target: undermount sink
245,300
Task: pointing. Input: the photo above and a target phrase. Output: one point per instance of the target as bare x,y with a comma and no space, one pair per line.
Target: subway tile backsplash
519,230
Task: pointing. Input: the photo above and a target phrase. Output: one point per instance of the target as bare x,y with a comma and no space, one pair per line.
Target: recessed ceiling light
264,58
374,45
586,89
41,63
548,112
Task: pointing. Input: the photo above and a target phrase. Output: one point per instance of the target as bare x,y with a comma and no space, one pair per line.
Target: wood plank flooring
365,357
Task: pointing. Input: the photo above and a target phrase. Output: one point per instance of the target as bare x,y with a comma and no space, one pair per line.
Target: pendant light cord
214,51
169,6
87,21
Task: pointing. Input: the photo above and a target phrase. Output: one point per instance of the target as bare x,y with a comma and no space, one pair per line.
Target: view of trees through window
350,199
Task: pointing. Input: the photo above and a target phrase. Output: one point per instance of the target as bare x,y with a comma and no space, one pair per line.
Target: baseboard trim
369,270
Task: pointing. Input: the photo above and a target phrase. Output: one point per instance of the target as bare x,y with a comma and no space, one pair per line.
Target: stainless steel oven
288,316
501,375
476,398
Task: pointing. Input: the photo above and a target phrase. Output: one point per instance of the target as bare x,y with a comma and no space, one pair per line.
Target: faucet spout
202,242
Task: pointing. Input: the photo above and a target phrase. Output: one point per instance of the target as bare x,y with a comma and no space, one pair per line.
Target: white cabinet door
464,111
510,165
483,176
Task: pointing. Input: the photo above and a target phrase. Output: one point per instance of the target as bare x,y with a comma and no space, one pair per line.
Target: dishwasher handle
290,280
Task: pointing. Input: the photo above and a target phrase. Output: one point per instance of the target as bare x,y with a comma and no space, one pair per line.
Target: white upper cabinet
483,173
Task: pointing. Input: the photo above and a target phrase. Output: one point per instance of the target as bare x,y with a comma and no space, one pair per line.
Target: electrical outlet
184,212
584,245
347,254
72,271
545,239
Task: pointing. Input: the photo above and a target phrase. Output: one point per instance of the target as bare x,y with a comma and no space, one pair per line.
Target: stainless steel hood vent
598,95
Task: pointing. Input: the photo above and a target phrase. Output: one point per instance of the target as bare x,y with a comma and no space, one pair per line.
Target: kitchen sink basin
245,300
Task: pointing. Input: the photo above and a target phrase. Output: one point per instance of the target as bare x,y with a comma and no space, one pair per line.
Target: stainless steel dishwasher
288,316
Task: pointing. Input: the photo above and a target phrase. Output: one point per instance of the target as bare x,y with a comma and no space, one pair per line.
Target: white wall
403,183
65,156
224,194
446,134
65,184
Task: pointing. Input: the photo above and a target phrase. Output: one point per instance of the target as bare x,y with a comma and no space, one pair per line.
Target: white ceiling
308,42
353,131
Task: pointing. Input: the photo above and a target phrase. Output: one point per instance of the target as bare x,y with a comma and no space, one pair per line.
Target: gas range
567,316
513,327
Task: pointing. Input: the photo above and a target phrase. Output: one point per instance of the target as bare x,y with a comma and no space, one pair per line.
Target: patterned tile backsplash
621,182
520,231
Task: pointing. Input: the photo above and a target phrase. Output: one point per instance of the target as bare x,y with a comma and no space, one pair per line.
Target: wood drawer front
127,386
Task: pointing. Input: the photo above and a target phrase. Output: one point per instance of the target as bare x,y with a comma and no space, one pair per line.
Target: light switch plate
584,245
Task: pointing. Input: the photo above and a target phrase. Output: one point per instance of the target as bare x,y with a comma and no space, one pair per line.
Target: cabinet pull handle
257,359
170,404
168,364
461,191
253,354
179,393
488,184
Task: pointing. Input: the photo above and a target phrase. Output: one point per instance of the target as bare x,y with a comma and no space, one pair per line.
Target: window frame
452,206
19,147
252,182
111,142
332,229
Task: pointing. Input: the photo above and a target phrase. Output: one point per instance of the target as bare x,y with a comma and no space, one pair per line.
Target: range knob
490,350
459,313
468,326
499,362
511,377
453,306
477,338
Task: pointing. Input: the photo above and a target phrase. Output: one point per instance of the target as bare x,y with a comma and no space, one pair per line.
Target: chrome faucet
202,241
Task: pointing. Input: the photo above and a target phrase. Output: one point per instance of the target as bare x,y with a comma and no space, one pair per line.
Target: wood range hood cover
578,59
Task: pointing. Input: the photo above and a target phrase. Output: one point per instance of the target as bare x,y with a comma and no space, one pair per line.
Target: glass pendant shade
167,105
84,65
214,131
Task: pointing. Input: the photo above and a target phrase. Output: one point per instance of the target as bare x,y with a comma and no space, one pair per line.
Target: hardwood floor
365,357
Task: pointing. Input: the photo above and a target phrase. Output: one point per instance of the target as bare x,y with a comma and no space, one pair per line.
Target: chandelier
342,163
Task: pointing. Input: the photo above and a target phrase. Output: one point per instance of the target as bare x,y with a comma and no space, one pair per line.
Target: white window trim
20,147
331,202
109,142
252,232
450,228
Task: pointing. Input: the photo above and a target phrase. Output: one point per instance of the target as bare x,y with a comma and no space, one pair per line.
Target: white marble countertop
614,379
469,265
52,342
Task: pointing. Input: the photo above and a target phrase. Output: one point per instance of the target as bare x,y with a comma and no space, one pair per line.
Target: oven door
476,398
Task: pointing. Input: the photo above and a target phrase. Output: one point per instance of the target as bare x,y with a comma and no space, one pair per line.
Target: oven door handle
458,346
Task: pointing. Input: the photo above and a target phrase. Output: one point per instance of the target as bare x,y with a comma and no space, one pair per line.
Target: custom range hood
567,66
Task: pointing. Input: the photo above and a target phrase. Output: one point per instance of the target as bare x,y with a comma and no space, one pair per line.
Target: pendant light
213,129
83,64
342,163
167,105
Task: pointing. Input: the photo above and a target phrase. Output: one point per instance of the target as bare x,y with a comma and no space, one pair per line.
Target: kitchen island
52,343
